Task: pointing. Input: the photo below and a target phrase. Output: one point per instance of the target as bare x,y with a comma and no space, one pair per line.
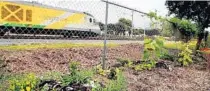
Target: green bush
185,57
153,51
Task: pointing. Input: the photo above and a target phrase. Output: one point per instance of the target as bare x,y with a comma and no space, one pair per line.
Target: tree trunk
199,40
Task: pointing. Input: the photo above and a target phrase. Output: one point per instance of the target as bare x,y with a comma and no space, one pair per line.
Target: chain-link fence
41,21
38,19
127,23
41,36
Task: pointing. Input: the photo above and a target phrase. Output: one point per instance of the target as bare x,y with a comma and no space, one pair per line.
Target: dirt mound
43,60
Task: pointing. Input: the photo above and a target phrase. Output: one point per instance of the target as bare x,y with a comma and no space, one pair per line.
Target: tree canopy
120,27
169,25
198,11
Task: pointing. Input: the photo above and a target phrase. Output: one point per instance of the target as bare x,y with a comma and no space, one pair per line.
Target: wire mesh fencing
41,36
124,23
41,21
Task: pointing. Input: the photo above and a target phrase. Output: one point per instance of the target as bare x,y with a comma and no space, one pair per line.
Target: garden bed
192,78
43,60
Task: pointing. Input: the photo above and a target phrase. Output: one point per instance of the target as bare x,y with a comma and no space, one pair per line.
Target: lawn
178,44
53,46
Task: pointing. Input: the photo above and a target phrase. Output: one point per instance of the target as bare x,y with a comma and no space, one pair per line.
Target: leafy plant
168,57
153,50
76,76
185,57
100,71
51,75
25,82
144,66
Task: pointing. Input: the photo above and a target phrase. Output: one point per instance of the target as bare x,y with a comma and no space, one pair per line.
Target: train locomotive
24,17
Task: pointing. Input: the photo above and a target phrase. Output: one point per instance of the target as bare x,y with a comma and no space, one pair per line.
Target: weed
51,75
125,62
116,85
76,76
100,71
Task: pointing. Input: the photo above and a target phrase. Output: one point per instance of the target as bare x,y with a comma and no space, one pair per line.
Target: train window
91,20
28,15
94,20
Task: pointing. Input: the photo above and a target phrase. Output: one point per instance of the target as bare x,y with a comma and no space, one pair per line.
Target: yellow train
34,18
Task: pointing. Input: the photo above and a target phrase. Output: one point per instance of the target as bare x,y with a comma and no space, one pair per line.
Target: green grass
53,46
178,44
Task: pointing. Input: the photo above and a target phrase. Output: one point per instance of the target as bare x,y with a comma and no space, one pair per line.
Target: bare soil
179,79
192,78
42,60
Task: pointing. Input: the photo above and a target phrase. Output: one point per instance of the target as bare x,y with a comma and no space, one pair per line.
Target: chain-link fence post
131,34
105,34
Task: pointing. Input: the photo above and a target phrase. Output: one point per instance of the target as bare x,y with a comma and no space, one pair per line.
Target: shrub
185,57
153,50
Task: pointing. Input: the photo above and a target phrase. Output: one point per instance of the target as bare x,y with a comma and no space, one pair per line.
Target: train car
34,18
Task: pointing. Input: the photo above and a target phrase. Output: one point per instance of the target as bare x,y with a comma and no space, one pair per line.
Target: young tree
198,11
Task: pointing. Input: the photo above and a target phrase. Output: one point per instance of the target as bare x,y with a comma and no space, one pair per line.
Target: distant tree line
121,27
